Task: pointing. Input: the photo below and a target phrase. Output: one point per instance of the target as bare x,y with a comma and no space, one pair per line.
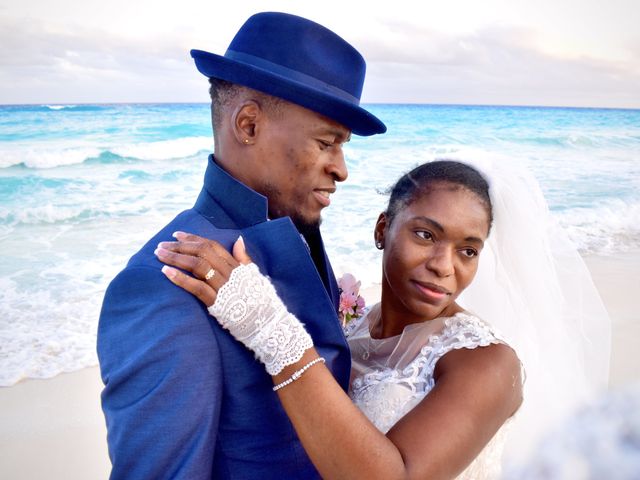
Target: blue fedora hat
300,61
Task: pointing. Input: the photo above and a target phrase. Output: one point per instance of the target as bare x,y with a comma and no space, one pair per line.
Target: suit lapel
278,249
319,256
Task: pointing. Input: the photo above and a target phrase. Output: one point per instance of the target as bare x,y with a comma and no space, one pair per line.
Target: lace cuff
249,307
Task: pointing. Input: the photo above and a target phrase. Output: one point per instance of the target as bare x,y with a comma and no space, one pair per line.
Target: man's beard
307,228
303,225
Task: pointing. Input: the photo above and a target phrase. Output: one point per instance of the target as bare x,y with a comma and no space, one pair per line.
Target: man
182,399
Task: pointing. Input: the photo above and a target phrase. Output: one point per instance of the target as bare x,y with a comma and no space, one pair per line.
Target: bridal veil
534,288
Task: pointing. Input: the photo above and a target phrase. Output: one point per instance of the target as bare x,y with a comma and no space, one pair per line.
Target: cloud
42,63
36,44
493,65
45,62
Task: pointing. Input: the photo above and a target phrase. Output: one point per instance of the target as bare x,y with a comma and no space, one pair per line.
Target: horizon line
430,104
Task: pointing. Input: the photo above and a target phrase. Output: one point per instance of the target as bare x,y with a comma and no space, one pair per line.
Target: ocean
82,187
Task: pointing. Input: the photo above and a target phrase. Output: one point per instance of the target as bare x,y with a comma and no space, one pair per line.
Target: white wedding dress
391,376
533,286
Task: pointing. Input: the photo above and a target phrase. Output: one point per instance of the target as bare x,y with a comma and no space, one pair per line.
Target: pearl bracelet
298,373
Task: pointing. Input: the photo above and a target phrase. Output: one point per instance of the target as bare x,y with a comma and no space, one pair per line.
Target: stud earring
379,245
246,141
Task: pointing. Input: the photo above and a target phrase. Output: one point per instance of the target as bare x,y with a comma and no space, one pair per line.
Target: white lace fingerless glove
249,307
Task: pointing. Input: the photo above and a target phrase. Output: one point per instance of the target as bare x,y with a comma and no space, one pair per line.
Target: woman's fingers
203,247
204,243
200,289
215,272
211,253
184,236
240,253
205,259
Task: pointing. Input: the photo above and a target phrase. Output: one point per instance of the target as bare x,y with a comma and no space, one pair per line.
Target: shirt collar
231,203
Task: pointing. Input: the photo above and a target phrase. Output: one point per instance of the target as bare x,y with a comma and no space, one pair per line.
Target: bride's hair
416,182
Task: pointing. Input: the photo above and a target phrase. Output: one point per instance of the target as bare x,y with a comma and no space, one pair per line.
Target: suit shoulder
189,221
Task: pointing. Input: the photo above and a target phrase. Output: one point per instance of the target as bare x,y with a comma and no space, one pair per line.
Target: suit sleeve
161,367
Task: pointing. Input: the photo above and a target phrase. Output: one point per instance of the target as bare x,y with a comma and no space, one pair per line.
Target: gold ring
210,274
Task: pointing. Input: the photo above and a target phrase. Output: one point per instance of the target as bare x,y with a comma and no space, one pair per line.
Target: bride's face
431,252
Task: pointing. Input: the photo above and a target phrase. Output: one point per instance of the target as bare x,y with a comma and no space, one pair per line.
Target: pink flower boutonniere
351,303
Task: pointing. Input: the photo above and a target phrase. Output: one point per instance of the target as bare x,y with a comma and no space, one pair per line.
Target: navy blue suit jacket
182,398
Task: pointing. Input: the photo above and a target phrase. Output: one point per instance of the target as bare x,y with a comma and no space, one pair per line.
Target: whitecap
46,156
166,149
59,107
610,227
43,334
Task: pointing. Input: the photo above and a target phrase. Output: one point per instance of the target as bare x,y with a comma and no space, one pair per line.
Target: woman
431,384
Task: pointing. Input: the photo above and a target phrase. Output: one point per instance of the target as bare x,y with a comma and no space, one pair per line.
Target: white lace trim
460,331
387,394
249,307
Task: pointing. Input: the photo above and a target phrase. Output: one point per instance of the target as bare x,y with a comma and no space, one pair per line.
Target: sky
582,53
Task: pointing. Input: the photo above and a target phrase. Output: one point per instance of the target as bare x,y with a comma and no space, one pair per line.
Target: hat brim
352,116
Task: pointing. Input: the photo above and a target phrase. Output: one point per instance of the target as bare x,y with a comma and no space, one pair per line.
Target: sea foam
166,149
58,154
46,156
43,333
609,228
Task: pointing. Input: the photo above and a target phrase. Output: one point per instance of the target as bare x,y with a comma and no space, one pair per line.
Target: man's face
301,160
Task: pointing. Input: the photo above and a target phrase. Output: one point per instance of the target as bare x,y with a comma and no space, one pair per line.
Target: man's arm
161,367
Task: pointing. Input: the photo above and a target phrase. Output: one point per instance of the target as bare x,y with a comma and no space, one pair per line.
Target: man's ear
380,230
245,119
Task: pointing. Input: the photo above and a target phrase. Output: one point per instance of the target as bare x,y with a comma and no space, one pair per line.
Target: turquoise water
82,187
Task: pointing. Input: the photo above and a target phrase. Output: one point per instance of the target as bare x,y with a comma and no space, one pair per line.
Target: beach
618,281
54,428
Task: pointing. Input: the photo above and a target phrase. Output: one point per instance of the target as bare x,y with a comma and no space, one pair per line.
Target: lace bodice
391,376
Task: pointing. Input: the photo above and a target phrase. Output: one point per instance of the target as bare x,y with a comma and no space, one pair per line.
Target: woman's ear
380,231
245,119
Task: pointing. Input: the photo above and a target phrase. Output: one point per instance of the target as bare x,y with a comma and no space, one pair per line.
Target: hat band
291,74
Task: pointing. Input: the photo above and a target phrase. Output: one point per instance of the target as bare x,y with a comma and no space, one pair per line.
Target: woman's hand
207,260
248,306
